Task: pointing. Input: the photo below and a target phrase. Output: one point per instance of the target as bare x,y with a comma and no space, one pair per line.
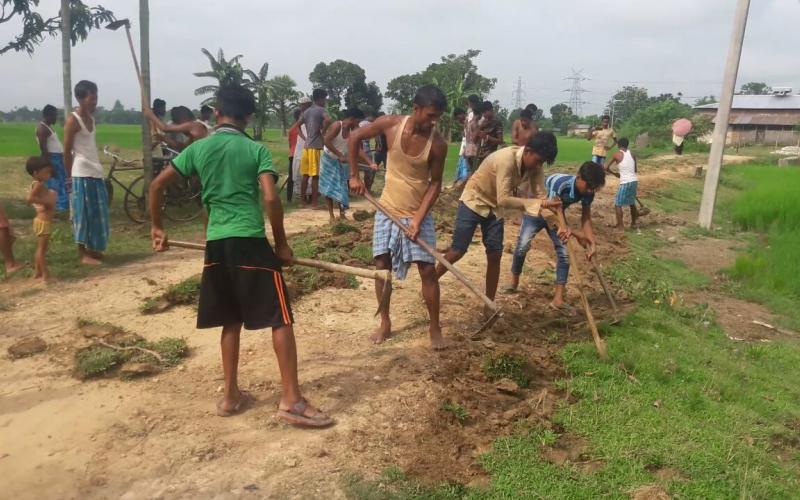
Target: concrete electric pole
720,134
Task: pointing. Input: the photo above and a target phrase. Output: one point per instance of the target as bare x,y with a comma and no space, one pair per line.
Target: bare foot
233,404
382,333
14,267
90,261
438,342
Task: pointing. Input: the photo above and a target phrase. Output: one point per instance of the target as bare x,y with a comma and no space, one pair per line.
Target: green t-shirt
228,164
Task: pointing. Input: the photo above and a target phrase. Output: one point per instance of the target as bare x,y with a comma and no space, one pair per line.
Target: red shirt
293,139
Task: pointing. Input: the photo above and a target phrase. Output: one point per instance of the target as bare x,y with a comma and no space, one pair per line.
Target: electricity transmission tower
519,94
576,92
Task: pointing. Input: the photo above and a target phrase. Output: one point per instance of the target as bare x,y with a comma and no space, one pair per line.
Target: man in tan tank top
413,182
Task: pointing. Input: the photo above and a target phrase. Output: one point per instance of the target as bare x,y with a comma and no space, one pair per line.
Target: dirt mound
27,347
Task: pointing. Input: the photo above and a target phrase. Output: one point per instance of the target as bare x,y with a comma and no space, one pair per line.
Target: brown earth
158,437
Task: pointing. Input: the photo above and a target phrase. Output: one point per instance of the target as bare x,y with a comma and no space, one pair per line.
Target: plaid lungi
90,212
626,194
388,238
333,179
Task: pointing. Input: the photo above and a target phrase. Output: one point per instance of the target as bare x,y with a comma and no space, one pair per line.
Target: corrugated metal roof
760,102
781,119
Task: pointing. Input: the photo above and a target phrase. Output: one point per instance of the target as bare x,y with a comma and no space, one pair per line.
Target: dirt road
159,438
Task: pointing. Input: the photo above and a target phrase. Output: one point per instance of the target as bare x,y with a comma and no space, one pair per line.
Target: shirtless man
524,127
413,182
183,122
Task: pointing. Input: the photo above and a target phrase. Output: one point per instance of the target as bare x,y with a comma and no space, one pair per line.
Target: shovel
643,210
376,274
497,313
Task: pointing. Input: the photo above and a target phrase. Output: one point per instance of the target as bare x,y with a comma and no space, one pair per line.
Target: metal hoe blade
119,23
386,296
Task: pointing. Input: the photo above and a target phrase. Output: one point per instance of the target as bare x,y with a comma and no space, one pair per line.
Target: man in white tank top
89,195
51,149
628,183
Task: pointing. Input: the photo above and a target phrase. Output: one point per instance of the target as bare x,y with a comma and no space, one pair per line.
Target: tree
35,28
259,84
709,99
282,96
336,78
402,89
628,101
561,115
456,75
656,120
755,88
365,96
226,72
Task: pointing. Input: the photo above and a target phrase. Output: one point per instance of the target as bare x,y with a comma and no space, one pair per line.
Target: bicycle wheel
134,201
182,201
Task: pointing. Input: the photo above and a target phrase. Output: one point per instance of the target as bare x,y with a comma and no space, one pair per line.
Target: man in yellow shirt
490,190
601,136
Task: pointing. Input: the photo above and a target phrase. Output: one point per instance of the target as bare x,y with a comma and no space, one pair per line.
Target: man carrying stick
242,283
490,190
413,182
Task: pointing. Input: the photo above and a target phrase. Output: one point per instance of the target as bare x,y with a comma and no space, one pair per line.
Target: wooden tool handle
380,274
436,255
598,342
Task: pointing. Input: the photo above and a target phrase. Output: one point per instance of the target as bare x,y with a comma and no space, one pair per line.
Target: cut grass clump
393,484
456,410
115,350
363,253
342,227
184,293
507,366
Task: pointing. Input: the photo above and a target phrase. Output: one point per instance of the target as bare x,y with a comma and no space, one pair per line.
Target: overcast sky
666,46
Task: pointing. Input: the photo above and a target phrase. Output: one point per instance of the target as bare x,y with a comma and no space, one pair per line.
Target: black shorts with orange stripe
242,283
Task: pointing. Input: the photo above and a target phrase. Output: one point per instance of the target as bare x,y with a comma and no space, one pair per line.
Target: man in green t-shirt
242,283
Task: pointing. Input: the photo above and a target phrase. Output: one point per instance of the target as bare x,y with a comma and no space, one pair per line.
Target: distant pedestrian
601,136
297,156
316,120
89,196
462,167
490,133
53,152
628,183
6,243
524,127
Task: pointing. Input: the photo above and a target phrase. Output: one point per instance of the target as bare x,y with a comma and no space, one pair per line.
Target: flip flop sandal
565,309
510,289
245,400
296,416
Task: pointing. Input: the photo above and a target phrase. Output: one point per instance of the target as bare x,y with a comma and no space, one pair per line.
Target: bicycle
182,201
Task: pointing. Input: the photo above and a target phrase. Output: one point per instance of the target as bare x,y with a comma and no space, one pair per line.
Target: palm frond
206,89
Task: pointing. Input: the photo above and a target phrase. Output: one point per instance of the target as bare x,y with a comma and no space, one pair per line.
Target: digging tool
598,342
119,23
643,210
497,313
376,274
606,289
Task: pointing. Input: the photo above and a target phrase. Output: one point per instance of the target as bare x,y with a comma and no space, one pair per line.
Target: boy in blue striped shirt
570,189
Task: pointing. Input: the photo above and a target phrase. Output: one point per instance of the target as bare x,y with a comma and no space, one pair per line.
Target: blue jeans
530,228
599,159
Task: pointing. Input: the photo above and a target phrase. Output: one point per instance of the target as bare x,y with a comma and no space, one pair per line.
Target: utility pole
66,56
147,141
720,134
576,92
519,94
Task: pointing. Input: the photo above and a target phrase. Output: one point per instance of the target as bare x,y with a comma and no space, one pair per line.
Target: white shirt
470,115
85,163
53,145
627,168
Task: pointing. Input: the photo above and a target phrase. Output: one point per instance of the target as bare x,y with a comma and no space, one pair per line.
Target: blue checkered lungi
90,213
333,179
626,194
388,238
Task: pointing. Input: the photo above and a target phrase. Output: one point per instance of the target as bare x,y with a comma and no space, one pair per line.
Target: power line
576,92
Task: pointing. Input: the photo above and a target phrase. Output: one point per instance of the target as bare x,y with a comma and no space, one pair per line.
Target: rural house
761,119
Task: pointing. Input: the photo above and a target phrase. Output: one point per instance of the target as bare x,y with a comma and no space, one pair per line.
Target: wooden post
720,134
144,51
66,55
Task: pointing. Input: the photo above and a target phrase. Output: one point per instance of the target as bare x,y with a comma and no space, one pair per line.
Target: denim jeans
529,229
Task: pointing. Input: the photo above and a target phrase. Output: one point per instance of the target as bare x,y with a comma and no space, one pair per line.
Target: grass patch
185,292
363,253
100,360
507,366
393,484
455,410
342,227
